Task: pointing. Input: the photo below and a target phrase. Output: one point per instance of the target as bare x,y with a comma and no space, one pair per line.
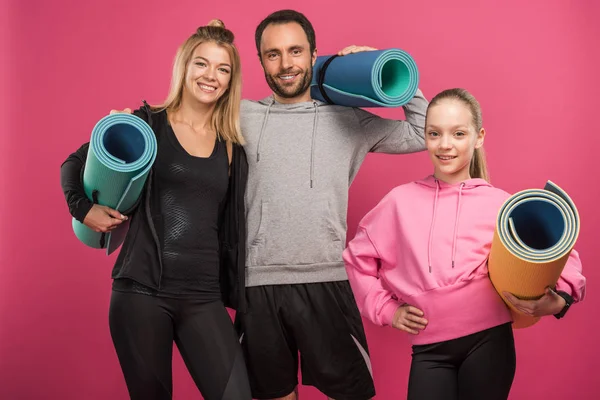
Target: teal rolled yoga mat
121,152
380,78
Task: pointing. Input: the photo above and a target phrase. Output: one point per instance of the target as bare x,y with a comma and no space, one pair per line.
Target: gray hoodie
302,159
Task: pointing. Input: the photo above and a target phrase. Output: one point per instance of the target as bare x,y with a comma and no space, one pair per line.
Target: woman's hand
124,111
103,219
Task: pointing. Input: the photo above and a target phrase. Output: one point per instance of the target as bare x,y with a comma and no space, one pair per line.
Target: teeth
209,88
287,77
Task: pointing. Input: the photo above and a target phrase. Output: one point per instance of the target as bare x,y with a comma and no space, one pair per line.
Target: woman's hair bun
216,23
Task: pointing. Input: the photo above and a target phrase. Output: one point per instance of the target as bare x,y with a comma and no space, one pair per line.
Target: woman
184,249
419,263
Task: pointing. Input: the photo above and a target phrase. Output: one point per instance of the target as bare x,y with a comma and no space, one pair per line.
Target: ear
260,55
314,57
480,138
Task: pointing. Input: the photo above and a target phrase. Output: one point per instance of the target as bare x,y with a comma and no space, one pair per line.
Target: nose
445,142
210,74
286,62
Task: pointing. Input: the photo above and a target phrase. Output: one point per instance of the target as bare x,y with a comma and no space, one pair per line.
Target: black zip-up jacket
140,256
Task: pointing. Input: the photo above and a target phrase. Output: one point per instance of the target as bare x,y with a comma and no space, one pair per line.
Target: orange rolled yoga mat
535,232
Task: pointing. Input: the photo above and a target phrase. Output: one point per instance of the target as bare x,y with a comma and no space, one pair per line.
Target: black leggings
143,329
478,366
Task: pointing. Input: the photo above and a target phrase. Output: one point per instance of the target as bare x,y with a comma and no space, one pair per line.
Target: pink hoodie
426,244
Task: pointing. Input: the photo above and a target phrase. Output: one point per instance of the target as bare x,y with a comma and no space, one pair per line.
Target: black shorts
319,320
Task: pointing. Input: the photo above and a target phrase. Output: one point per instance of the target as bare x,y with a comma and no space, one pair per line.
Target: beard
288,91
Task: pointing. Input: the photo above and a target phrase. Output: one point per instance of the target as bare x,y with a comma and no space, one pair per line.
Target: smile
206,88
446,158
288,77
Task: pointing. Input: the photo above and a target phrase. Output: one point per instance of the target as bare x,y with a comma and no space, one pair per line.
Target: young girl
419,263
185,246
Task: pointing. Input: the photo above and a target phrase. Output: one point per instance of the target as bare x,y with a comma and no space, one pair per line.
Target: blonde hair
478,166
226,115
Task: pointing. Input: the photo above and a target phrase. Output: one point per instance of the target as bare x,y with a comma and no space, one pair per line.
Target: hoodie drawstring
458,208
456,223
262,130
312,143
437,192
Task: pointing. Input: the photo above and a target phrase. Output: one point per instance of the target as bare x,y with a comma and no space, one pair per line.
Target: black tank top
191,190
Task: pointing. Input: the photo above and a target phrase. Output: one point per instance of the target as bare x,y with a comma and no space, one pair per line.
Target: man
303,155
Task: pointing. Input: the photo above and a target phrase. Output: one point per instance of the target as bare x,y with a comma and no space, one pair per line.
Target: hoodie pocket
303,234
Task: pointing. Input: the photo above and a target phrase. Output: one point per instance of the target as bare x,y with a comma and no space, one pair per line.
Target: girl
419,263
185,245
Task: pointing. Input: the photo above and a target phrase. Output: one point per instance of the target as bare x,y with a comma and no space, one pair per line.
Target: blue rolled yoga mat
535,232
121,152
380,78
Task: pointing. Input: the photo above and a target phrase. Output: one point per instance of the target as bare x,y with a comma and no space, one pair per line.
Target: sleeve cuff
84,206
564,288
388,311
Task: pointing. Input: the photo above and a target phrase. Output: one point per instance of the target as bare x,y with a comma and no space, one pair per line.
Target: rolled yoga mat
121,152
380,78
535,232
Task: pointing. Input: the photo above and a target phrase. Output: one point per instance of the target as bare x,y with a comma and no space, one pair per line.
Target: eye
224,70
296,52
272,56
433,134
460,133
200,64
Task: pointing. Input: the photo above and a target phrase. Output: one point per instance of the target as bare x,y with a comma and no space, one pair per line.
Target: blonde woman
182,261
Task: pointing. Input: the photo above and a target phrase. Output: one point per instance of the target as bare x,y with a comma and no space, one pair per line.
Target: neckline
175,141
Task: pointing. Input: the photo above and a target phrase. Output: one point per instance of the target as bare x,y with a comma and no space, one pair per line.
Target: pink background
532,64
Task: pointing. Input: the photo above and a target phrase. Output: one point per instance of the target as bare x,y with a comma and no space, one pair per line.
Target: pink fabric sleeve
571,280
362,260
